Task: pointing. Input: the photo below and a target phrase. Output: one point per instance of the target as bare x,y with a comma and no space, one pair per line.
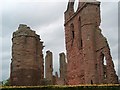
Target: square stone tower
87,49
27,59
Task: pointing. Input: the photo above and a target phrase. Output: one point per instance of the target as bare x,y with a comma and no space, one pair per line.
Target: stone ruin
27,57
27,66
87,50
63,69
49,67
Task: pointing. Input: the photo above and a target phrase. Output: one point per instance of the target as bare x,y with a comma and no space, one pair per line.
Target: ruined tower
27,58
87,49
63,68
49,67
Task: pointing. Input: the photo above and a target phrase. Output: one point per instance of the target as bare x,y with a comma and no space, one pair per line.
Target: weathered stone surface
87,51
63,70
27,58
63,65
86,46
49,66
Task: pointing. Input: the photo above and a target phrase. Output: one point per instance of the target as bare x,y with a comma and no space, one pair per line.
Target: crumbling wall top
22,26
24,30
62,54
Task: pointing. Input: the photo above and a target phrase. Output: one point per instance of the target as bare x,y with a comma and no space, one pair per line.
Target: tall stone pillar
27,59
63,67
49,67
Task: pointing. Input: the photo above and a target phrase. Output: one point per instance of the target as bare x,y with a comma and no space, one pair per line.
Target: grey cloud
6,44
115,52
119,39
109,22
109,28
119,69
34,18
5,73
33,14
108,17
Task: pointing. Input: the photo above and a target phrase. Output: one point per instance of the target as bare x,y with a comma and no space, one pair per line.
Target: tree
6,82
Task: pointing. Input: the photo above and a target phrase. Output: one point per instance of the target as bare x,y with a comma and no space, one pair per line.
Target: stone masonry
63,69
49,67
27,66
88,61
87,49
27,58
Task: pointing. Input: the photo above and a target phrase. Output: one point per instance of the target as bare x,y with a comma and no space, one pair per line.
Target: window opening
80,34
72,32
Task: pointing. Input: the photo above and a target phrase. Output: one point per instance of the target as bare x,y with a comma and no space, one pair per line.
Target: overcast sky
47,19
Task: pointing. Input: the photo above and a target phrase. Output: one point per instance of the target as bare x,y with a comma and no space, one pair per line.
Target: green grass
58,87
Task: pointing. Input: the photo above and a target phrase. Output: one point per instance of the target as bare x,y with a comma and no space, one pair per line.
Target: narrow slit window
72,33
72,30
104,65
81,43
80,34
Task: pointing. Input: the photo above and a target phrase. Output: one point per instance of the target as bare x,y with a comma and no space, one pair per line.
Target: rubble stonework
27,66
49,67
88,54
63,69
62,65
27,58
87,49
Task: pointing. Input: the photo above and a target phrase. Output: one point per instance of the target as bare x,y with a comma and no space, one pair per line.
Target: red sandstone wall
27,60
84,43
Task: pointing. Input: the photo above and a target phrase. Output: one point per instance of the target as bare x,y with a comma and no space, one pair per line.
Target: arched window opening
105,74
76,5
104,61
104,65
